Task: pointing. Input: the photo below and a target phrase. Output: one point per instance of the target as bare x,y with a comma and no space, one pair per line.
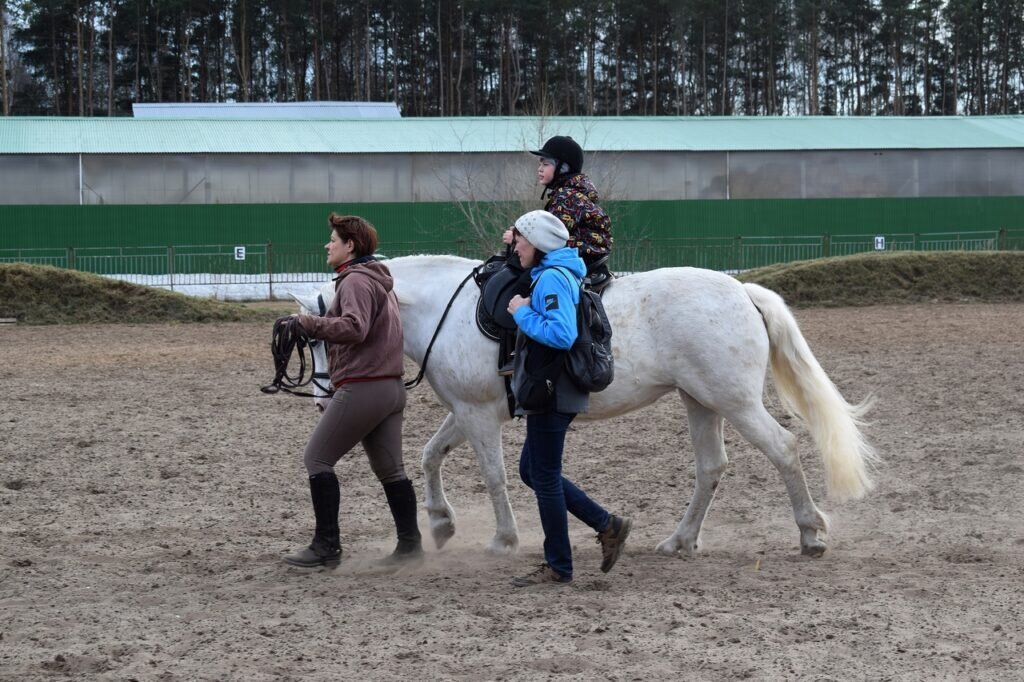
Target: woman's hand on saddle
507,237
516,303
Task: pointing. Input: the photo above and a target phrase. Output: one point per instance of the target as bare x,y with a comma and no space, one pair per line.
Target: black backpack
589,362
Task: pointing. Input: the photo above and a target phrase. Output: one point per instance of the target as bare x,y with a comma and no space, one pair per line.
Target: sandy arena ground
148,491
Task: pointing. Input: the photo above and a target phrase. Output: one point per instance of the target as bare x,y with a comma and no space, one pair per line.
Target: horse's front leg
439,512
710,461
481,425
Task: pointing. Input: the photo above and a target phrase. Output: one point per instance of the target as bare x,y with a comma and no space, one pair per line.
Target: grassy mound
36,294
909,277
39,294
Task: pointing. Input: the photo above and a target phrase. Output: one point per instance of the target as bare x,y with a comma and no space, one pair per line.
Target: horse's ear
308,303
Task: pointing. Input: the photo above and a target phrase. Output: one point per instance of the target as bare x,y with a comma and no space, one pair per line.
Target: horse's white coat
695,331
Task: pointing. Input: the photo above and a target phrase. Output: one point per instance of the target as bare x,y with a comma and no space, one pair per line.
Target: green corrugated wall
436,224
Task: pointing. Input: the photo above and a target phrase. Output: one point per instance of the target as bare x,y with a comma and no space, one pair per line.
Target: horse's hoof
499,548
442,532
815,550
669,547
678,547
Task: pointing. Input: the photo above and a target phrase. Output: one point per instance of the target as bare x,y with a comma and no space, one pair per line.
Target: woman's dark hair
541,255
358,230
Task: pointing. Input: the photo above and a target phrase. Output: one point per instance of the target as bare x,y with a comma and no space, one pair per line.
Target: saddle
499,278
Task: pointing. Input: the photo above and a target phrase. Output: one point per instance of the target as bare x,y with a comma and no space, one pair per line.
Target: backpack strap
565,273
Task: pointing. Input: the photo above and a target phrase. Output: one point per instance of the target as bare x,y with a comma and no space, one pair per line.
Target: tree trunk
704,66
242,53
91,79
57,81
682,74
440,64
1004,76
394,56
618,66
516,70
641,82
318,49
110,60
927,105
591,39
956,77
462,58
80,62
725,57
4,102
980,71
369,65
654,60
138,58
186,62
812,76
157,66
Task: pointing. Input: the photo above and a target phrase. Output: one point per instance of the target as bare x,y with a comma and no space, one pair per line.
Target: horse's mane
440,259
407,295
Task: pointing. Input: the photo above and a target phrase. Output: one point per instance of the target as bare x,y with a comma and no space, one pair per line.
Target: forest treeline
507,57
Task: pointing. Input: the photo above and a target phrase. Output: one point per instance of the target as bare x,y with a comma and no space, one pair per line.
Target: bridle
288,338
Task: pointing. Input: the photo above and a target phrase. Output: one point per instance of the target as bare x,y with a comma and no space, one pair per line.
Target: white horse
699,332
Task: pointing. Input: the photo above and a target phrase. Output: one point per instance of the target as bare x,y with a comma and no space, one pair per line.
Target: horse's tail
807,391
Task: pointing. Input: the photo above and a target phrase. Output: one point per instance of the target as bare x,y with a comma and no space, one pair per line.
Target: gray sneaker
612,539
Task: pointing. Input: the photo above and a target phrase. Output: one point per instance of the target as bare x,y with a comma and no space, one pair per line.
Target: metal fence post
739,253
170,265
71,258
826,245
270,270
1001,240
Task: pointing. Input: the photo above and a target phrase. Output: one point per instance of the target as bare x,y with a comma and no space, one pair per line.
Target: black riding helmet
563,149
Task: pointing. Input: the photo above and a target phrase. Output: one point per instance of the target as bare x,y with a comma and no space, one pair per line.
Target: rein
288,337
423,367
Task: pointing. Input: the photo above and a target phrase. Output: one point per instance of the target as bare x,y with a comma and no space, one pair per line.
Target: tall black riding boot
325,550
402,500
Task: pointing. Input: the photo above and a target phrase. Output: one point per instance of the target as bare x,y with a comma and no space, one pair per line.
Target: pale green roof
501,134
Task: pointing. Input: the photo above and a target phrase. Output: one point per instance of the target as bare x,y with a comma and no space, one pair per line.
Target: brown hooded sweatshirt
362,326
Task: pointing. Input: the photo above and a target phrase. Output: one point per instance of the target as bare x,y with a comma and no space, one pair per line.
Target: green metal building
680,190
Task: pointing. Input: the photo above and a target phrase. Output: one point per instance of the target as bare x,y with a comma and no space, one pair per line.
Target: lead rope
423,366
288,337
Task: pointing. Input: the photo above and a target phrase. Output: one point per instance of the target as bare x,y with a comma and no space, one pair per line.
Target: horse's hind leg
757,426
710,461
440,513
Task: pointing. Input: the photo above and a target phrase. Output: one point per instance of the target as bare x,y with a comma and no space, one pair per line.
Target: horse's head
317,304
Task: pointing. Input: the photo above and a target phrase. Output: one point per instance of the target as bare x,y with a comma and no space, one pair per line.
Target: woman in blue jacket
547,327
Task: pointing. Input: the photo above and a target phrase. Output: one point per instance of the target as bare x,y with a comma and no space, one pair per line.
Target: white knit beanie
542,229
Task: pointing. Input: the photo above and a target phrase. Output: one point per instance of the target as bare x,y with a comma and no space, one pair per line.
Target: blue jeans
540,467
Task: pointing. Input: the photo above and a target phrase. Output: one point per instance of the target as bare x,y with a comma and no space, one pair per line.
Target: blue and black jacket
550,320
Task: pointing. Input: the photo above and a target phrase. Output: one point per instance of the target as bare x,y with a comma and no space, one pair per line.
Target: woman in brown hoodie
364,333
